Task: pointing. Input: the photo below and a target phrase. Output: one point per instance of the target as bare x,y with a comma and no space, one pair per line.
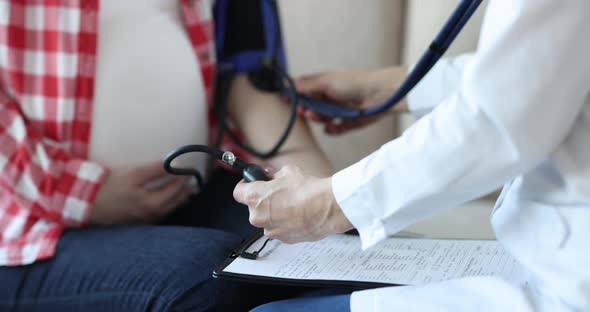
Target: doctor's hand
293,207
354,88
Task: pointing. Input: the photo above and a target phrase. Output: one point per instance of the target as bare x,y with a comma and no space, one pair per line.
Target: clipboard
220,273
337,261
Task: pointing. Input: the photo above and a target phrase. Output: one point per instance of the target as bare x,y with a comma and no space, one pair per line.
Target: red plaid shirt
48,54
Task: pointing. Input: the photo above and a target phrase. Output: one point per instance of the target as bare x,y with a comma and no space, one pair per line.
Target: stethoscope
437,48
280,81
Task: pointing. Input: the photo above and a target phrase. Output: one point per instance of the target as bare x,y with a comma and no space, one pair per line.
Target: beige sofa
332,34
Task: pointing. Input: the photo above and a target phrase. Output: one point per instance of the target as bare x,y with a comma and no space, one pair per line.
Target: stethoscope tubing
446,36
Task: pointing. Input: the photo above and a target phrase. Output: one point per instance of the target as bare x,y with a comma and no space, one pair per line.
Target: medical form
395,261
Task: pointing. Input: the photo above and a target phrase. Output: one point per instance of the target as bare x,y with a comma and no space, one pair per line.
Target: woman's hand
359,89
293,207
125,196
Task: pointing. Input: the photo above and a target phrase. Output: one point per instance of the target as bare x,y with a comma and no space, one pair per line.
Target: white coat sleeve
518,99
442,80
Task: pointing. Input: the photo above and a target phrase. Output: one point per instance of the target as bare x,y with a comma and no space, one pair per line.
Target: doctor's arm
507,116
518,100
262,118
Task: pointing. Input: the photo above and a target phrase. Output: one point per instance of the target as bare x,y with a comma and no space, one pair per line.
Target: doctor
516,112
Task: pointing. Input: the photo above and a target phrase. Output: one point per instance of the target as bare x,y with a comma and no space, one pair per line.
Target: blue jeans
325,300
144,268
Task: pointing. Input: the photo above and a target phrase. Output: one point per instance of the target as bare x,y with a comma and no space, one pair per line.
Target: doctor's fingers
248,193
336,83
288,174
313,83
261,214
266,206
339,127
311,115
333,88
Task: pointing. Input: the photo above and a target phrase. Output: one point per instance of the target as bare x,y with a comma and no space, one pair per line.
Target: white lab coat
516,111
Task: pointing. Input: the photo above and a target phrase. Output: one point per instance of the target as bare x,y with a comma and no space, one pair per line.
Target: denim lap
143,268
336,303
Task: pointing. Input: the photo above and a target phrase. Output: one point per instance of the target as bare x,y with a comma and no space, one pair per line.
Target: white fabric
442,80
150,96
520,113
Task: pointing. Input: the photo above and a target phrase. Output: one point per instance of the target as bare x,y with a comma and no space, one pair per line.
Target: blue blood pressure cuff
249,40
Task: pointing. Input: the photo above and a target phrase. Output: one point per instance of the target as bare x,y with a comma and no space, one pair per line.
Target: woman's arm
262,117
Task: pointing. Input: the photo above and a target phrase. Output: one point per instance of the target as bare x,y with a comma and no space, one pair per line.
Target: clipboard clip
251,255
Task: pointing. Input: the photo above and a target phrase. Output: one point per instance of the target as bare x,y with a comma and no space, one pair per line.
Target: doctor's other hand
354,88
123,197
294,207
